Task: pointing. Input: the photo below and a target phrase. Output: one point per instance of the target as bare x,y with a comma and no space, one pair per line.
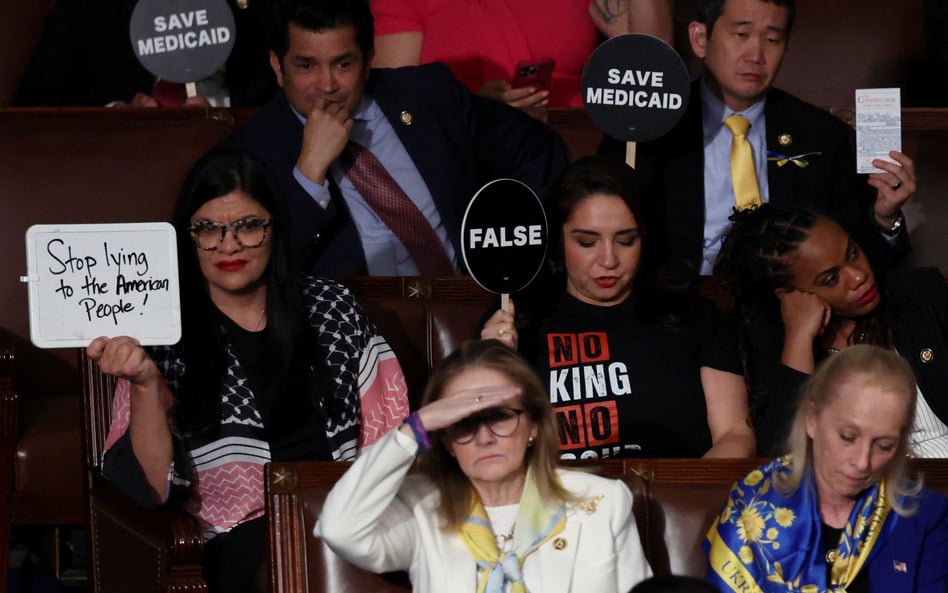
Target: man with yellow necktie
742,142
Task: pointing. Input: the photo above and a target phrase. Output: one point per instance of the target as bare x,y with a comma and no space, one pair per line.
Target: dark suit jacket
917,306
912,552
458,142
672,172
85,58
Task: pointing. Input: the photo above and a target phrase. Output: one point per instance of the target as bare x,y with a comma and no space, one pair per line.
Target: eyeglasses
502,422
249,233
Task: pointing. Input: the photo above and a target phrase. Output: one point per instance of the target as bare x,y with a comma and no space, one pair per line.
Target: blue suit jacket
913,557
458,142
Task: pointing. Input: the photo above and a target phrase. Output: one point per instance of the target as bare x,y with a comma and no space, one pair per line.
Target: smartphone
535,73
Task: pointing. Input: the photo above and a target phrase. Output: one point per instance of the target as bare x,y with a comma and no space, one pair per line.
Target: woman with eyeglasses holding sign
268,368
489,511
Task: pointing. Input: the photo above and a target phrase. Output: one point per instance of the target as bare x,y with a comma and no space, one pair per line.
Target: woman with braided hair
803,289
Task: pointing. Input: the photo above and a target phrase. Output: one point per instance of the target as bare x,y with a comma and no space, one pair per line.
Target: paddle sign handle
630,154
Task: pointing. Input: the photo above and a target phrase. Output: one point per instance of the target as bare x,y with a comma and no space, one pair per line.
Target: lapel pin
926,355
406,118
899,566
589,506
560,543
785,139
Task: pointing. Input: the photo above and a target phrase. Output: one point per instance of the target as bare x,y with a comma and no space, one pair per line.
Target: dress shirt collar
714,112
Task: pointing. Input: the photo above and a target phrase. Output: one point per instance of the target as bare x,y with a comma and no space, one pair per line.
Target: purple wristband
418,429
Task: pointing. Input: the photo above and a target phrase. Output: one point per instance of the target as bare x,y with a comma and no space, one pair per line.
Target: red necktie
396,210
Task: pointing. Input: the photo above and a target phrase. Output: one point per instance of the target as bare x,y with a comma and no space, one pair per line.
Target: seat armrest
138,549
299,561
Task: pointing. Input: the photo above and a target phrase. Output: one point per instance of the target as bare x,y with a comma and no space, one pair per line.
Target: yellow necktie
743,174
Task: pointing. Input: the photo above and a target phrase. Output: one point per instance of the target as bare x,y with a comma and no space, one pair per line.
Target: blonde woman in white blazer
489,511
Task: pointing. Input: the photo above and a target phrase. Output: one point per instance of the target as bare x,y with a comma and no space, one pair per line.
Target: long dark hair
202,346
587,177
661,294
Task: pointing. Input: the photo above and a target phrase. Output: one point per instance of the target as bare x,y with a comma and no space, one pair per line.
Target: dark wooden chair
675,501
132,548
299,562
111,166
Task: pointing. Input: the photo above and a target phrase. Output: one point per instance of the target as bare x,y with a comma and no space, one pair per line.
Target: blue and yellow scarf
765,542
536,523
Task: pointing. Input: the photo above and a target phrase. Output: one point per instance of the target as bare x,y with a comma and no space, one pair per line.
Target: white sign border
173,324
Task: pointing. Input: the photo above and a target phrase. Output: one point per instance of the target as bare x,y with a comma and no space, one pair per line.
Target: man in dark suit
801,153
436,140
85,59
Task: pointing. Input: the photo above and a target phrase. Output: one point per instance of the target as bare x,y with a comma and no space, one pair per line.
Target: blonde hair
880,367
457,494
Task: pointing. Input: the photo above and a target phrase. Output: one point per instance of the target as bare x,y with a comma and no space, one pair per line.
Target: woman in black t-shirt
631,370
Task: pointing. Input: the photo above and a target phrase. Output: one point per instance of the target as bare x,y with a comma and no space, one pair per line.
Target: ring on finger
897,185
478,399
500,332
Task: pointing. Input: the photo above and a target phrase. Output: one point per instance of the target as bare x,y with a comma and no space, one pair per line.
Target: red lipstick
232,265
869,296
606,281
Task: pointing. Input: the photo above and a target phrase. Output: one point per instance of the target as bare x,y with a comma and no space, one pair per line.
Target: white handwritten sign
90,280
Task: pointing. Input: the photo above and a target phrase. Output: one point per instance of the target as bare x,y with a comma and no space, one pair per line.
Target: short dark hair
320,16
710,10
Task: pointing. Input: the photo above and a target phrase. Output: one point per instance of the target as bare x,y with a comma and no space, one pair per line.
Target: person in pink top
482,41
271,366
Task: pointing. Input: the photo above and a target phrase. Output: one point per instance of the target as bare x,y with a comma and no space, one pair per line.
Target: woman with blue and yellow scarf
489,511
839,513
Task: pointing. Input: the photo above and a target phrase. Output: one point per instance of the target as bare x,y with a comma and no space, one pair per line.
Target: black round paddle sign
504,236
182,40
635,87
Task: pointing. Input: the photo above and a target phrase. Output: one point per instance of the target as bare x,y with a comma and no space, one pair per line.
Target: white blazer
381,520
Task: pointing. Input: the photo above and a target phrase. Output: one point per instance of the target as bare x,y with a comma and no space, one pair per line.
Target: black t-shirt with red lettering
622,386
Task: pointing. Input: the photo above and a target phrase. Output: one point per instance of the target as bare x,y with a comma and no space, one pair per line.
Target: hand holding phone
536,73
